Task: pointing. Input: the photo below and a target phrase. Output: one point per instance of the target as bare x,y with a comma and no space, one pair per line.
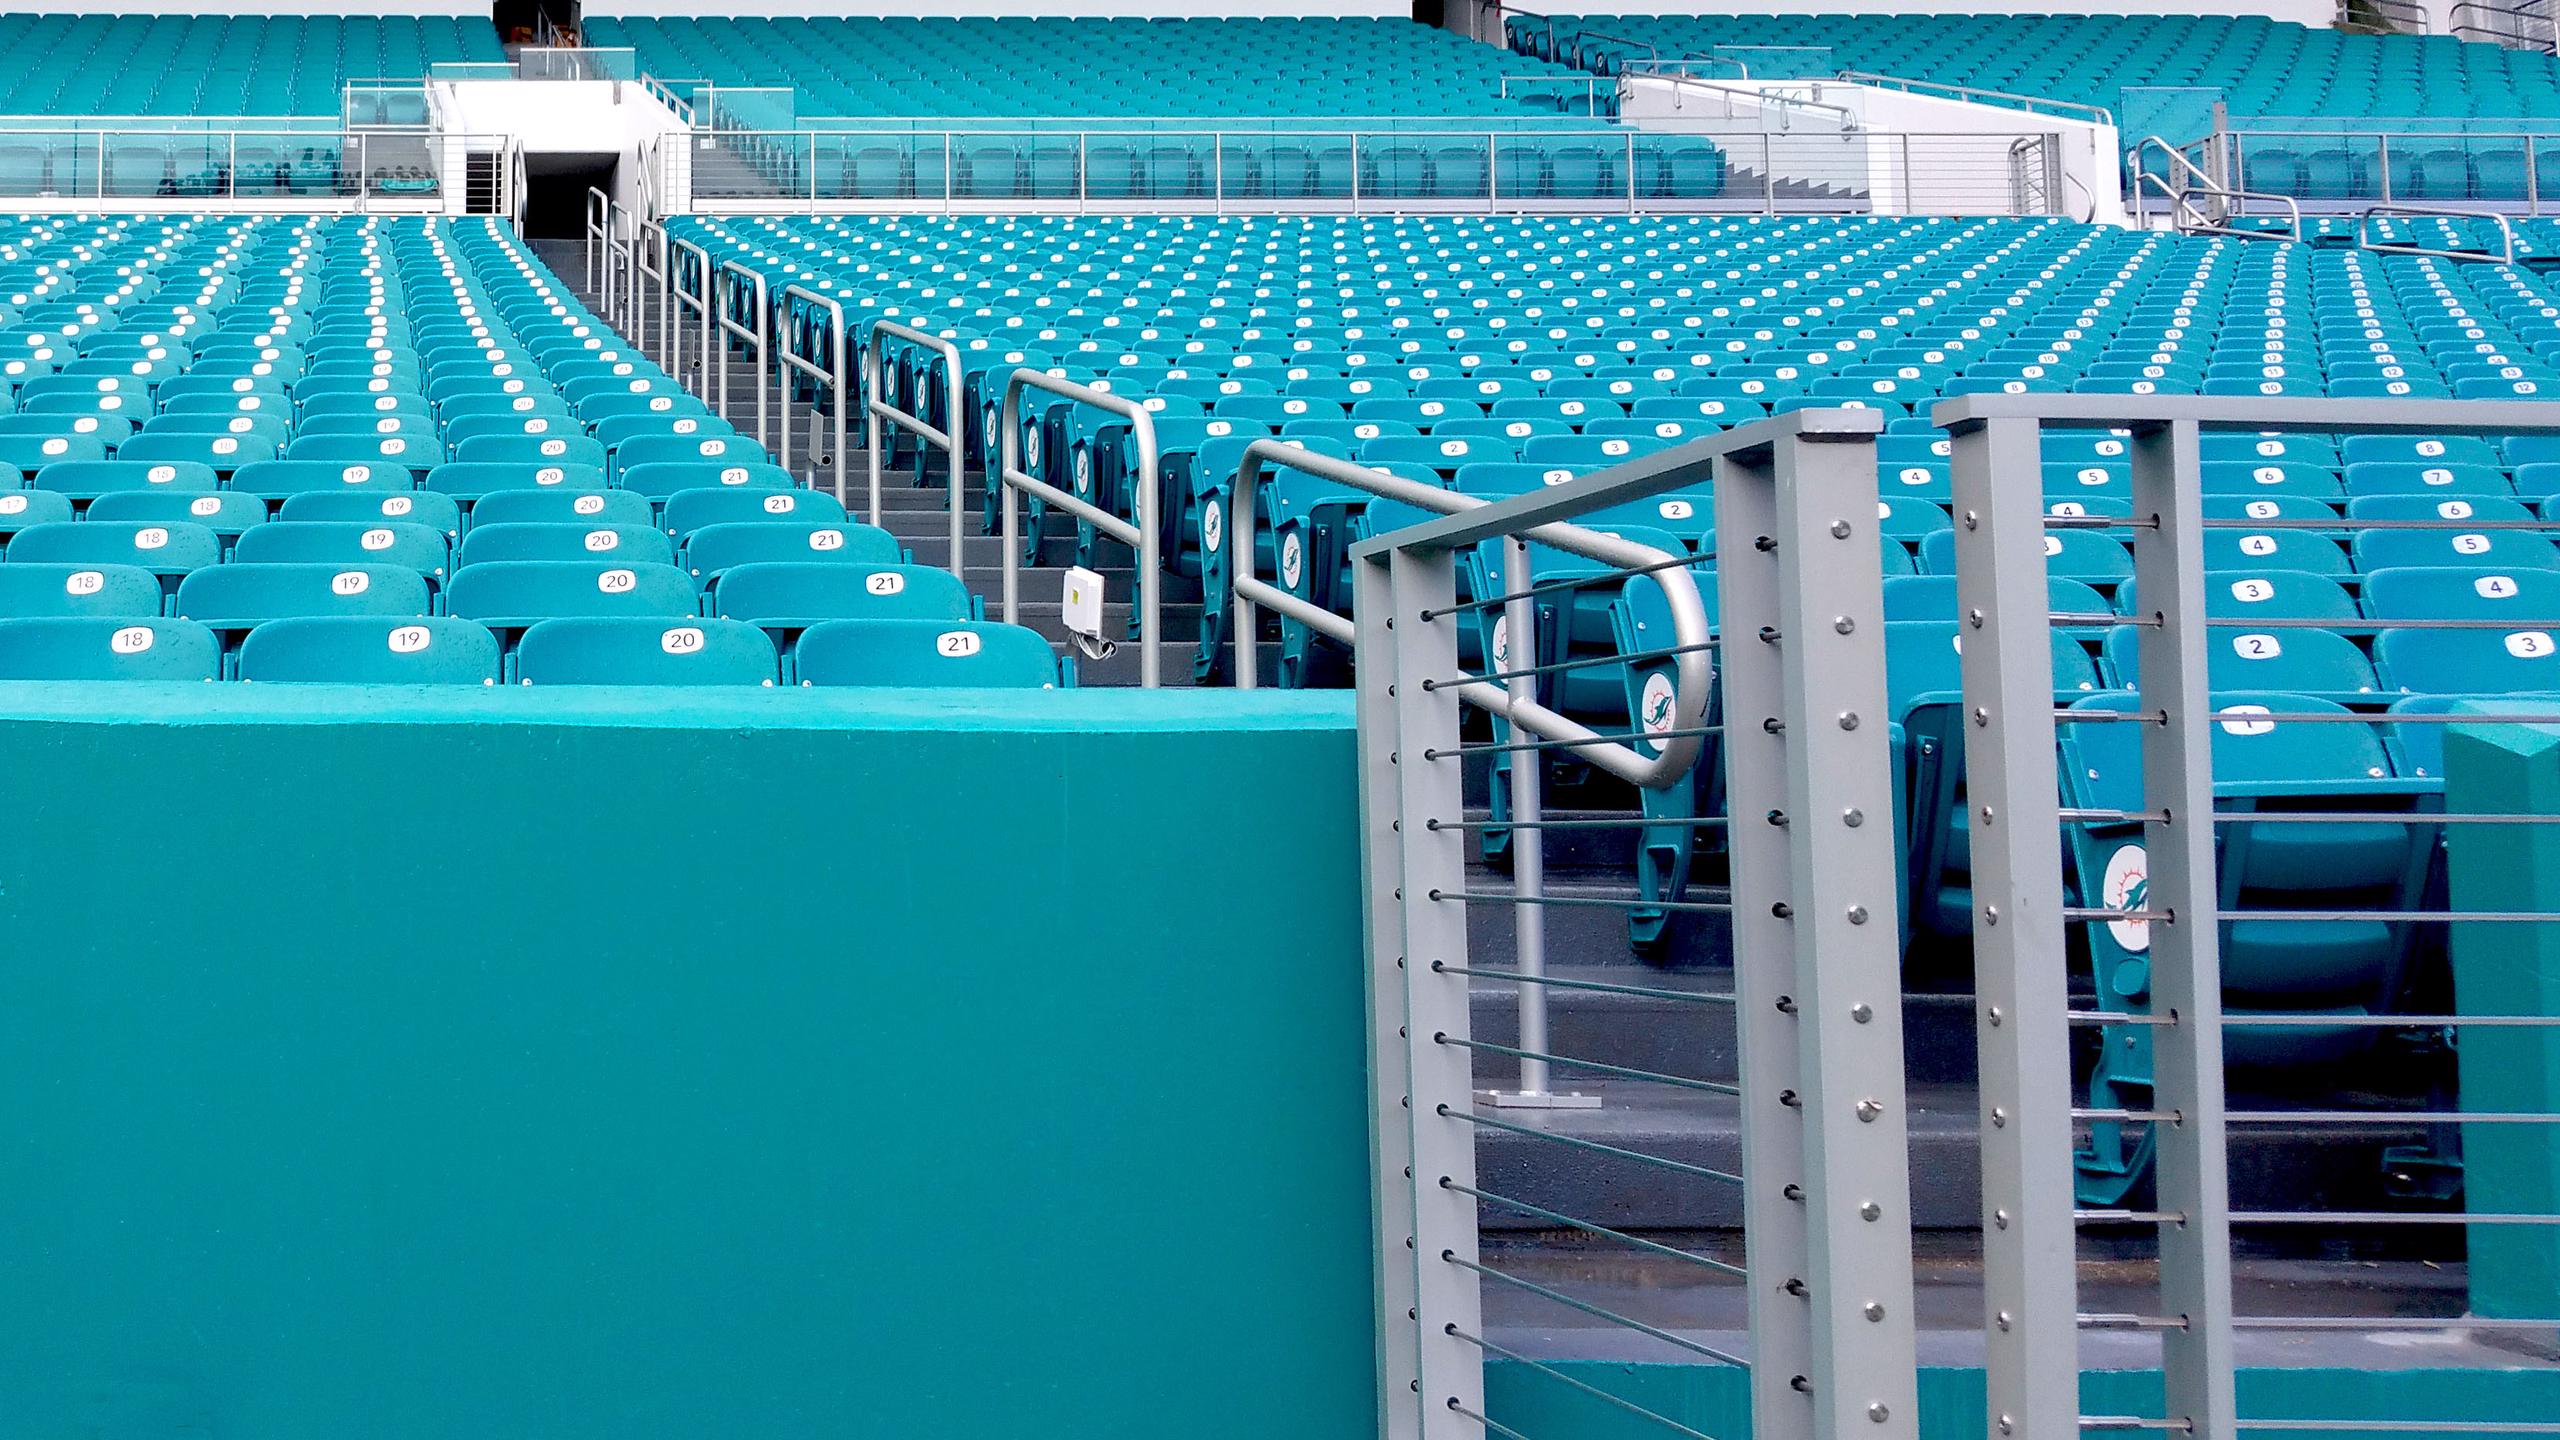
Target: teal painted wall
2507,969
634,1064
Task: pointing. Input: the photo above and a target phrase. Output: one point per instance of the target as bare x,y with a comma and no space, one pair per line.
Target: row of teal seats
174,550
462,501
375,650
1576,166
656,472
783,596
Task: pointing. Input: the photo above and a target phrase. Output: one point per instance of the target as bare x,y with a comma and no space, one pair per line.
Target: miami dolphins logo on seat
1655,706
2127,890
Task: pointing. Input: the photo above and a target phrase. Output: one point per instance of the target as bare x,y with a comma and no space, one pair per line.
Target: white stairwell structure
1885,145
644,125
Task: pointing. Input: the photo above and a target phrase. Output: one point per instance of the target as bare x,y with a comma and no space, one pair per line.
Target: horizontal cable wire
2385,1322
1478,897
1582,662
1587,1227
1712,1087
1602,987
2410,1425
1681,1167
1496,1426
2388,1217
1505,746
1615,822
1707,1352
2391,1117
1578,582
1585,1387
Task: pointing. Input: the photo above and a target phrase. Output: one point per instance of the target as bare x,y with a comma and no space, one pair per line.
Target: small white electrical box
1081,609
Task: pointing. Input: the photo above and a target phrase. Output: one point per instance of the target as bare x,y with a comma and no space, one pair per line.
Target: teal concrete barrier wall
2420,1402
2507,969
624,1064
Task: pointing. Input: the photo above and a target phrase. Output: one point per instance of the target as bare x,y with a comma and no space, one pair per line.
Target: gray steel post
1450,1372
2022,1033
1390,1070
1775,1217
1846,939
2185,954
1528,851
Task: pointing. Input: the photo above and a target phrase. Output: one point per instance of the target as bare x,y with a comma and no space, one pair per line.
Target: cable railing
1820,167
2181,834
1447,595
376,167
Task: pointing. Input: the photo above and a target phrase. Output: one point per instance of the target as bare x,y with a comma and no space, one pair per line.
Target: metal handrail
664,92
2516,14
679,298
599,222
1010,477
875,409
2099,113
620,302
761,336
1669,67
2184,213
2506,254
1766,98
650,262
1532,517
831,375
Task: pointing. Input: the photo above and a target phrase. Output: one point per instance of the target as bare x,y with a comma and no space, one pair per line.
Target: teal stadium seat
628,651
102,648
938,654
32,590
370,650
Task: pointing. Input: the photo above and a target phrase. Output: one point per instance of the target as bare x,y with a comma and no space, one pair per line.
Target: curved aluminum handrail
1143,536
875,355
2183,212
2506,231
833,376
761,335
1693,673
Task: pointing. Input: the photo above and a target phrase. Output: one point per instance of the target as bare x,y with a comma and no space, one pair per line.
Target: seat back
598,650
925,653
